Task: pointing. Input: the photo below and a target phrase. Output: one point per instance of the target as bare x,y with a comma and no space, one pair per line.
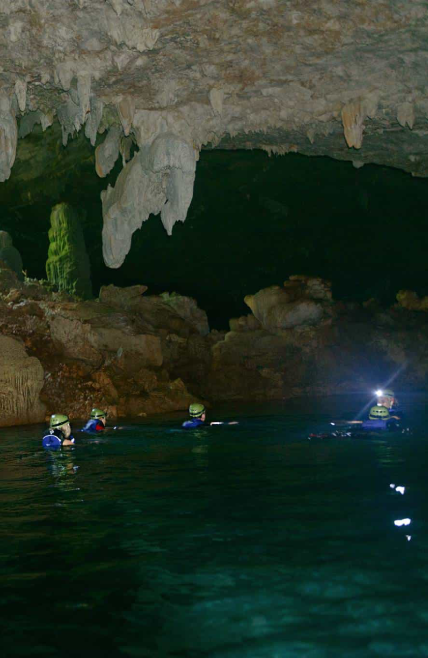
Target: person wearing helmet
96,423
198,414
379,419
59,432
386,398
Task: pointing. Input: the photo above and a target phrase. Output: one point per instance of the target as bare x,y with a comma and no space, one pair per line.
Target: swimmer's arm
218,422
67,442
347,422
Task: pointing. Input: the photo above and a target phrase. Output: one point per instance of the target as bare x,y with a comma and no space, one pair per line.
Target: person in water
380,419
96,423
59,432
386,398
198,415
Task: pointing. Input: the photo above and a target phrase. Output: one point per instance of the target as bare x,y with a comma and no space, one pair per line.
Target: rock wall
135,354
125,353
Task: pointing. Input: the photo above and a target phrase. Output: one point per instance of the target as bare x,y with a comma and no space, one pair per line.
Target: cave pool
228,542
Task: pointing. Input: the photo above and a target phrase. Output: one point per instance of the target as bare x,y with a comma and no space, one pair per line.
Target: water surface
230,542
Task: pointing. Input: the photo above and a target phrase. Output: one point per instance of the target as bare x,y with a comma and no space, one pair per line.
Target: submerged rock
68,266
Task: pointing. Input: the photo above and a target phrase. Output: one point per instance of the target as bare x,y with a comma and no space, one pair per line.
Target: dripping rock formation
162,80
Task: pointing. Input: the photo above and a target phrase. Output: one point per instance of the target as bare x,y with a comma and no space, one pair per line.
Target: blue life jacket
192,423
54,439
375,425
93,426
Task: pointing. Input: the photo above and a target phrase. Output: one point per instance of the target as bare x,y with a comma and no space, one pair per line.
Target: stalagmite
8,137
107,153
159,178
68,266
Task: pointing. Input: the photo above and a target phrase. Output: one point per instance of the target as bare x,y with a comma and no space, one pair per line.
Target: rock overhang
344,79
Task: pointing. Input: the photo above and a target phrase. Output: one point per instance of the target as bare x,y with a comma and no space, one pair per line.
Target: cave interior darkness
254,220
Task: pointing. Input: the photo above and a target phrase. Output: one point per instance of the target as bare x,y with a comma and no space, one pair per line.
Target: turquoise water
247,541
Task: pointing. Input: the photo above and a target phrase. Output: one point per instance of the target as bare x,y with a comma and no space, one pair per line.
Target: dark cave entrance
253,221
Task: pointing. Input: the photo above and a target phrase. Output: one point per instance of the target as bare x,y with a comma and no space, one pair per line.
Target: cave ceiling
160,80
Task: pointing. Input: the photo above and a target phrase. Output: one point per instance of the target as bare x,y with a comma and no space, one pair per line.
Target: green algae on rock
68,266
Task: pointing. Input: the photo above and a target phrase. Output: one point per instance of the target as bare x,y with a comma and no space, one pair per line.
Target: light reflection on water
233,542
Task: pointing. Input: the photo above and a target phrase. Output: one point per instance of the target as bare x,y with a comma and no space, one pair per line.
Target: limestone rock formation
357,347
318,78
107,153
409,300
21,380
303,301
10,256
68,266
188,309
133,354
91,332
177,312
159,179
124,298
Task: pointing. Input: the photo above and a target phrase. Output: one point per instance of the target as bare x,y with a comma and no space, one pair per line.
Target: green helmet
379,413
196,410
98,413
58,420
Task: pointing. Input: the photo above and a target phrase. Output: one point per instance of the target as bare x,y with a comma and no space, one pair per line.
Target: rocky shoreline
136,354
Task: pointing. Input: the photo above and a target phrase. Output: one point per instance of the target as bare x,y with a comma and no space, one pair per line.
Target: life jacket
192,423
54,439
374,425
379,425
93,426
